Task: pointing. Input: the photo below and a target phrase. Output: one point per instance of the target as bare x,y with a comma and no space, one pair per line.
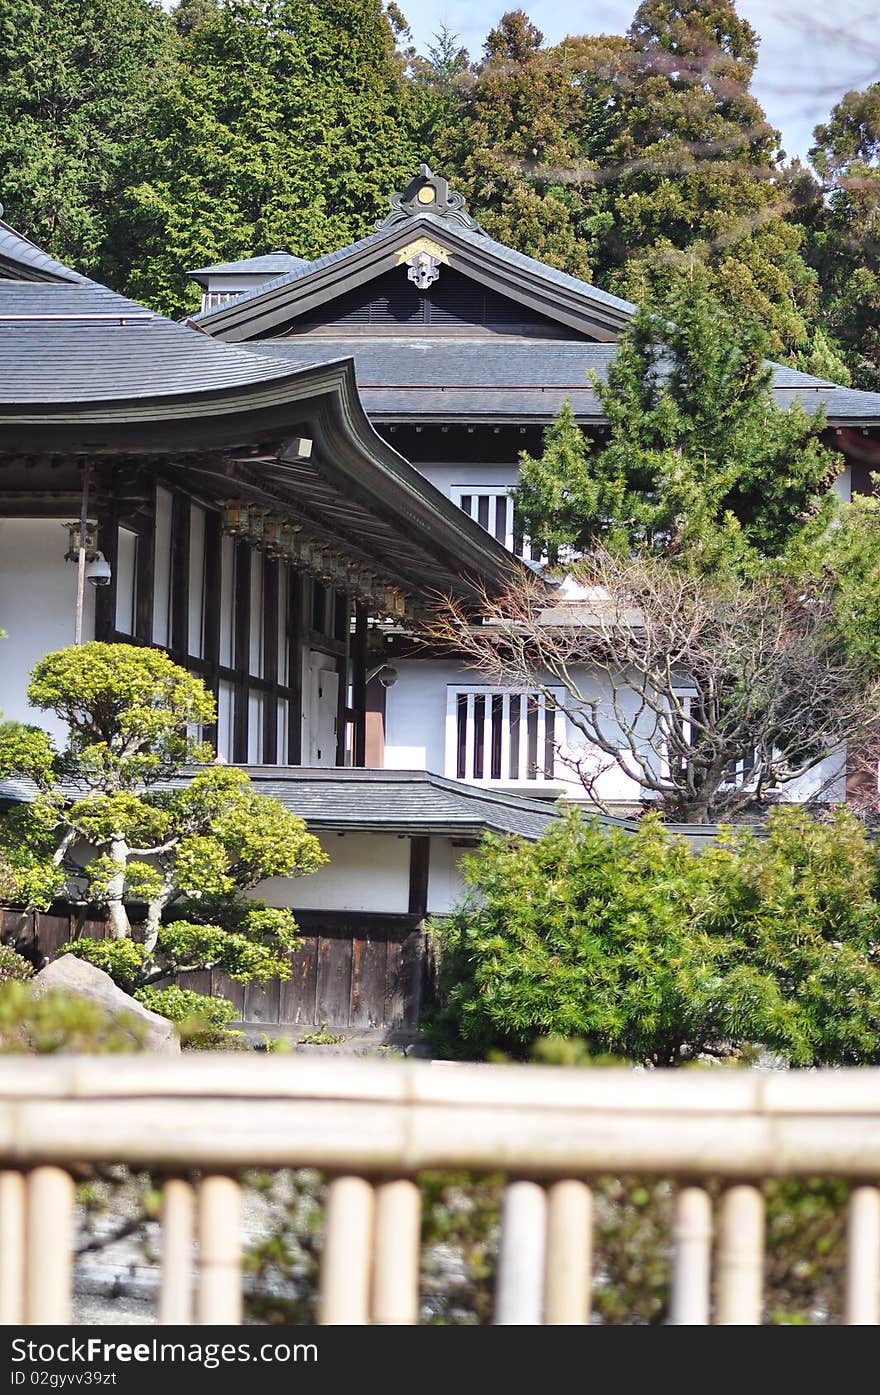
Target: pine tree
698,463
77,83
288,126
844,230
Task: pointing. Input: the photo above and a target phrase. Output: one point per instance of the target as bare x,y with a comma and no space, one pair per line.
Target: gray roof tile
270,264
24,260
504,376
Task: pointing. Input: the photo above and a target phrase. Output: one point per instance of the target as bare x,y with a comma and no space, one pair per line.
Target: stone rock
72,975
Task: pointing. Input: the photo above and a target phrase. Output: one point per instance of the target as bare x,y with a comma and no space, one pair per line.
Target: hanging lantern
73,540
395,602
256,522
272,526
235,517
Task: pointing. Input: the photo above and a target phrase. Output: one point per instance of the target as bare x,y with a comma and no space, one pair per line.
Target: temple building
464,352
271,492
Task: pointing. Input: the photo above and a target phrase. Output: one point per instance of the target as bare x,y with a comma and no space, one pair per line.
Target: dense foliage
699,463
651,952
139,145
106,829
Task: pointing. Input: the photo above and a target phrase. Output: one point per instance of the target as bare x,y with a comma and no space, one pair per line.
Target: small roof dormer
227,280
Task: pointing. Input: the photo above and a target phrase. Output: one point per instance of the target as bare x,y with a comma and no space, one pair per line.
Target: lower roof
503,377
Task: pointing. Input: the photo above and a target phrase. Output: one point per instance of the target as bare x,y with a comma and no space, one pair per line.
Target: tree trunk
120,925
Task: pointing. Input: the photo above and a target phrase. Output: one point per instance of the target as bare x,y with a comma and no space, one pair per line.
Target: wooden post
519,1290
49,1264
691,1258
348,1244
740,1257
178,1237
569,1253
81,556
863,1258
219,1216
397,1251
13,1213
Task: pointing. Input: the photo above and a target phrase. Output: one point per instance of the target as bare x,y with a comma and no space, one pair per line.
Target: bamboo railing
373,1126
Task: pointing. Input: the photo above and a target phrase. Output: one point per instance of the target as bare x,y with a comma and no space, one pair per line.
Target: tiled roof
21,259
270,264
534,270
419,376
63,342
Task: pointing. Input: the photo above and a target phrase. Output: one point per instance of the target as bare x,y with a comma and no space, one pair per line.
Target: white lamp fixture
98,572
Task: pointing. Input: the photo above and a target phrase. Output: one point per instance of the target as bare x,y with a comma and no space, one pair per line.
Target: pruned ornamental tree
712,692
110,826
644,949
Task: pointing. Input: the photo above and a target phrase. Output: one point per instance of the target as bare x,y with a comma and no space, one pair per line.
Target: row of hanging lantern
280,538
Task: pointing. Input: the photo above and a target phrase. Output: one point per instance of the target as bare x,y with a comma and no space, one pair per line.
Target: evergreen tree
845,229
77,82
288,126
699,462
620,157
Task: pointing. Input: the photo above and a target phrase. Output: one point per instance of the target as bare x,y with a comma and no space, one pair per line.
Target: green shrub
13,966
183,1005
60,1022
123,960
651,952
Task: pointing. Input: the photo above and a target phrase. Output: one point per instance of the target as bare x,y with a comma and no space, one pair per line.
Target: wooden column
419,872
342,666
178,1239
13,1243
863,1257
740,1257
146,570
296,620
374,724
519,1290
49,1246
271,574
359,686
691,1257
178,639
213,598
241,639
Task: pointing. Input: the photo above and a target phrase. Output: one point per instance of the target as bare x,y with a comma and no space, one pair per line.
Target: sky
810,54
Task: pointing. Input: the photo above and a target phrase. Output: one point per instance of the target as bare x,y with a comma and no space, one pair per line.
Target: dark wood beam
271,572
419,869
295,626
241,651
359,686
180,542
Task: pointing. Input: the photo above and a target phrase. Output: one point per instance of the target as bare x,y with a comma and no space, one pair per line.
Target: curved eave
352,455
263,313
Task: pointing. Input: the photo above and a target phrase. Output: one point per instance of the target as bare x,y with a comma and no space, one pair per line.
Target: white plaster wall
447,477
37,599
446,887
366,872
415,728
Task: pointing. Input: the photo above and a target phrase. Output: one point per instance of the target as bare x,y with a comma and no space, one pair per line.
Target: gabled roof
266,309
83,370
269,265
421,378
23,260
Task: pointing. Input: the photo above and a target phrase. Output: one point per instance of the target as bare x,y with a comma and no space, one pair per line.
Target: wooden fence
373,1126
357,972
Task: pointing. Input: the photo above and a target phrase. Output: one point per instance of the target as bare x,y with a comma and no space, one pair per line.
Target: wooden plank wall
357,972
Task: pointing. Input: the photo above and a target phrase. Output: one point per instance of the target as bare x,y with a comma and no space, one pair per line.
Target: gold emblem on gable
423,245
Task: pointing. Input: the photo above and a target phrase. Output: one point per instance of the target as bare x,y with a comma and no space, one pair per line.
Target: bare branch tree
713,693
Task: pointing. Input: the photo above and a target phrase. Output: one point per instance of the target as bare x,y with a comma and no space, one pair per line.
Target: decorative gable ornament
424,257
430,193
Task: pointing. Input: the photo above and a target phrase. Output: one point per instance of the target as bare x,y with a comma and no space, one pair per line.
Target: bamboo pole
219,1297
740,1257
49,1263
397,1252
348,1244
862,1306
13,1240
178,1239
691,1258
519,1291
569,1253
